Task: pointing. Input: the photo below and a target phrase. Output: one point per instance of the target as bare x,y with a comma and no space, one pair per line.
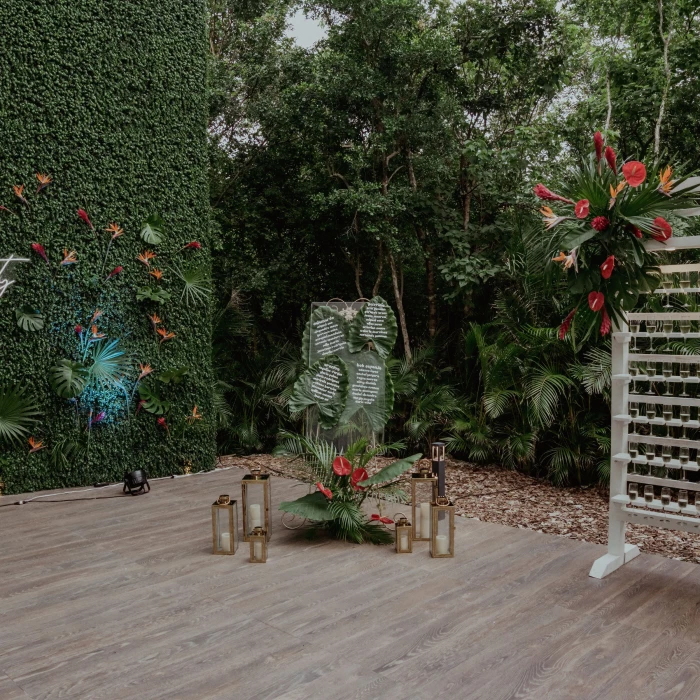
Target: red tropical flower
611,158
2,208
566,323
545,193
581,208
82,214
39,250
99,417
598,143
661,230
381,518
358,476
78,329
600,223
194,245
326,492
605,323
140,406
634,231
634,172
596,301
341,466
161,422
606,269
114,272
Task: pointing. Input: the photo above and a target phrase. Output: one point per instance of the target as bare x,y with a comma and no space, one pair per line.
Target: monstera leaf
313,506
29,319
370,394
376,324
326,333
391,471
152,402
174,375
68,378
324,385
152,294
152,230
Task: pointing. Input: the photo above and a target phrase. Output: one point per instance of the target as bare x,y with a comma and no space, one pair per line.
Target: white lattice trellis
665,430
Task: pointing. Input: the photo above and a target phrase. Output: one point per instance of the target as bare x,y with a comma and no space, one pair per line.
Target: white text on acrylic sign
5,281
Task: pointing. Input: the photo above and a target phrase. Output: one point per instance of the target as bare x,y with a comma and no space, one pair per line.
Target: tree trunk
380,271
399,305
666,39
466,192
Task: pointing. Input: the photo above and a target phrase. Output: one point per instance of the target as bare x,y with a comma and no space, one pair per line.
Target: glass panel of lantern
423,493
224,525
404,544
257,503
442,536
258,546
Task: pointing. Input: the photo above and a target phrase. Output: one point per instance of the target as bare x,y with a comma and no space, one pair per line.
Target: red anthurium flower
611,158
381,518
598,143
545,193
194,245
114,272
566,324
326,492
39,250
606,269
596,301
84,217
661,230
605,323
600,223
634,172
358,476
78,329
341,466
581,208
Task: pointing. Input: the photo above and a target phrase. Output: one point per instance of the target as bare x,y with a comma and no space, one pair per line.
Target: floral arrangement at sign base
599,226
342,484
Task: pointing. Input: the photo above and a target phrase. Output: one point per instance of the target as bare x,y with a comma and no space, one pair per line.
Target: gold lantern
257,502
423,493
258,546
442,534
224,525
404,539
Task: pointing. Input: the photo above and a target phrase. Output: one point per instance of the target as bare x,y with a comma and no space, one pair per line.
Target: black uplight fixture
136,482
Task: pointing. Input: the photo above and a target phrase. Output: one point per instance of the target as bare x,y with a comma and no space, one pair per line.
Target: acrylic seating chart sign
347,390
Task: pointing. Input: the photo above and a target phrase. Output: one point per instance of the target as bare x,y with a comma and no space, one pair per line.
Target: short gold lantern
257,503
224,525
404,539
258,545
442,539
423,493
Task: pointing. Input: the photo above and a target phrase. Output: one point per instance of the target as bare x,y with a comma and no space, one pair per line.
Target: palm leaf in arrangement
18,413
543,388
196,281
108,362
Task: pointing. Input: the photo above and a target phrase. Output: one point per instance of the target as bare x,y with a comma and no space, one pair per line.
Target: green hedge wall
109,98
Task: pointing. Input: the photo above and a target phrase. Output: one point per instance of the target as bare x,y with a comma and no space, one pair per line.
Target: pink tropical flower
634,172
82,214
193,245
78,329
341,466
39,250
114,272
598,143
566,324
358,476
611,157
661,230
545,193
600,223
381,518
581,208
326,492
161,422
596,301
605,323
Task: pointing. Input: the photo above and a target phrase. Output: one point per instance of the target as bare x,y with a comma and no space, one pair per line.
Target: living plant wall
105,332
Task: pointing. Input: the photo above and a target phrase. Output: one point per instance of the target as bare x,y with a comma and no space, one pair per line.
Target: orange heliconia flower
96,335
145,370
44,181
69,257
165,334
115,230
665,182
156,273
146,257
36,445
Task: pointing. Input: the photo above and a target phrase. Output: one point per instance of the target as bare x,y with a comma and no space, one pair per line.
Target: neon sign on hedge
4,281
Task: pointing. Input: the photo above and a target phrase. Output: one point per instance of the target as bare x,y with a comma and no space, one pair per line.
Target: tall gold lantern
257,503
423,493
224,525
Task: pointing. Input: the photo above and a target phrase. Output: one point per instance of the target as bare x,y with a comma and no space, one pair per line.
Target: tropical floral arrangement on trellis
598,227
342,484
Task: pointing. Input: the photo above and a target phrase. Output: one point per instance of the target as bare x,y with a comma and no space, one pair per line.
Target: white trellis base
609,562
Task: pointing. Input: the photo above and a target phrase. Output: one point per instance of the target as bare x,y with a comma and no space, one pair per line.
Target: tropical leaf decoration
151,402
375,323
156,294
68,379
153,230
313,506
174,375
326,333
391,471
29,319
18,413
196,281
325,386
108,362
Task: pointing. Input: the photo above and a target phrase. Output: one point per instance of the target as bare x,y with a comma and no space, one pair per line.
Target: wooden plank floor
121,598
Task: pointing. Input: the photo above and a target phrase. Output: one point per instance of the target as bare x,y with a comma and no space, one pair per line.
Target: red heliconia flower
600,223
596,301
661,230
83,215
606,269
545,193
359,475
581,208
78,329
605,323
611,158
195,245
566,323
326,492
634,172
114,272
341,466
161,422
99,417
598,143
381,518
39,250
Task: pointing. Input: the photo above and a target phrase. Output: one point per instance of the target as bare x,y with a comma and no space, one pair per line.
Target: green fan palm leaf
18,413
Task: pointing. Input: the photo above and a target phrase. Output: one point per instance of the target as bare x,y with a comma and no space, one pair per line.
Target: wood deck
121,598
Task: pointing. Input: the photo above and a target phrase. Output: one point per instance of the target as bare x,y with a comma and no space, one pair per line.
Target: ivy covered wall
108,98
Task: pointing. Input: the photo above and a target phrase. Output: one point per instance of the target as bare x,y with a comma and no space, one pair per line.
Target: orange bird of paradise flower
155,272
44,181
115,230
96,315
665,182
145,370
18,190
146,257
195,415
614,192
551,219
155,320
69,257
36,445
568,260
96,335
165,334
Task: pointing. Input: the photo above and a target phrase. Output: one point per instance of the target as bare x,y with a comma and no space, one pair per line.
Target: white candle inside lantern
404,541
225,542
441,544
257,549
255,520
425,519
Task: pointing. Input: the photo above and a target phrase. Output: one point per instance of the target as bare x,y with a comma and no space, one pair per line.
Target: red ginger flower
581,209
84,217
114,272
161,422
78,329
99,417
195,245
598,143
341,466
596,301
381,518
39,250
600,223
359,475
545,193
605,323
566,323
606,269
611,158
634,172
661,230
326,492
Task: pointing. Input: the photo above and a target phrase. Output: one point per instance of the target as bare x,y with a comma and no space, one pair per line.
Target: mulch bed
497,495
